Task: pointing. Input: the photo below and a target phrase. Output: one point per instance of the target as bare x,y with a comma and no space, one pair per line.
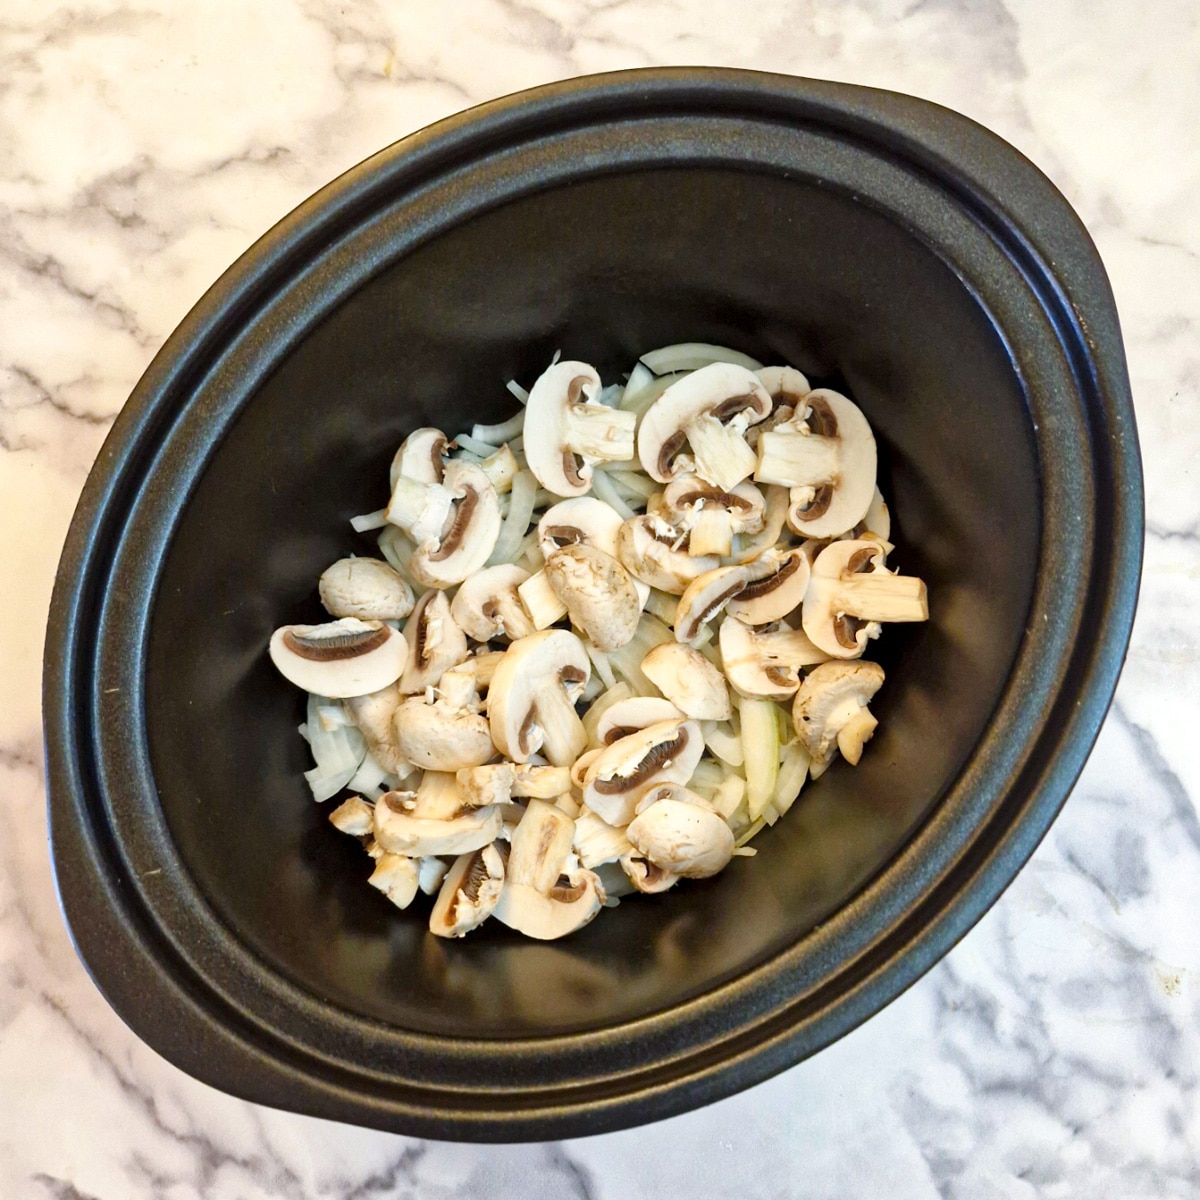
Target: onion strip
520,513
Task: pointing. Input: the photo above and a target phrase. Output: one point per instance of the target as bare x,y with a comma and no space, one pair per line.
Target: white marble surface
1055,1052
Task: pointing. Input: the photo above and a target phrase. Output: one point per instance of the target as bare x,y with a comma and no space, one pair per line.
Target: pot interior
601,270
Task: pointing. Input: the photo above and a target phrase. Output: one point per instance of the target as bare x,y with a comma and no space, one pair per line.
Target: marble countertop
1055,1051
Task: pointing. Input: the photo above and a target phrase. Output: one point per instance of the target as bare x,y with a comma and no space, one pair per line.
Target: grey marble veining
1055,1052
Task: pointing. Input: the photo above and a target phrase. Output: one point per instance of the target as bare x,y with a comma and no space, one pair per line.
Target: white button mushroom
708,411
531,702
373,714
647,877
487,605
827,457
678,831
567,430
354,816
710,515
851,591
434,820
448,733
435,640
616,777
596,842
342,658
421,457
780,580
628,716
765,661
457,551
396,876
654,551
365,588
498,783
830,711
469,893
689,681
598,593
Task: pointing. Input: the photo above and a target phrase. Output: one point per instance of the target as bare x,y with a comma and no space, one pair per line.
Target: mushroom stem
711,531
540,845
883,597
793,458
564,738
720,451
855,734
790,648
422,510
541,601
600,433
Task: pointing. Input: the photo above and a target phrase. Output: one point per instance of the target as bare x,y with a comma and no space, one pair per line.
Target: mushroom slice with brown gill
787,388
689,681
538,900
666,751
851,592
598,592
830,711
421,457
343,658
628,716
654,551
765,661
584,520
498,783
680,832
708,412
780,580
435,640
366,588
463,546
434,820
567,429
373,714
469,893
487,605
710,515
397,877
448,733
647,877
531,702
826,456
708,594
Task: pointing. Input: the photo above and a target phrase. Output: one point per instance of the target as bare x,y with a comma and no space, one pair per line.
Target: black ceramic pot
883,245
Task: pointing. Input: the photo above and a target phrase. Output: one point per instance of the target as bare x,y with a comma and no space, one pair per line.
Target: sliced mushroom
435,640
488,606
596,842
583,520
418,827
655,552
354,816
531,702
708,411
538,900
421,457
541,601
598,592
678,831
501,468
448,733
666,751
469,894
646,876
365,588
877,522
787,388
689,681
711,515
498,783
628,716
343,658
830,711
827,457
708,594
463,547
766,661
781,579
747,549
486,662
396,876
373,714
851,592
567,429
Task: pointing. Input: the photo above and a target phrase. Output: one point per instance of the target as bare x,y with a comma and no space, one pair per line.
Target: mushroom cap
721,390
420,457
373,715
435,640
399,831
487,603
342,658
599,594
469,893
546,418
439,737
565,909
628,716
785,385
678,831
646,547
840,505
749,674
666,751
582,519
464,547
396,876
830,696
549,659
779,589
366,588
646,877
744,503
689,681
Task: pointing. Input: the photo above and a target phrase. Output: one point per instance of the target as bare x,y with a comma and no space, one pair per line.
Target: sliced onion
641,399
369,779
603,667
518,391
606,490
372,520
691,356
611,396
397,548
497,435
792,773
516,524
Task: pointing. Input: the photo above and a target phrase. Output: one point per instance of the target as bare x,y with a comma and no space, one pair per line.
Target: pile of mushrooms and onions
604,643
